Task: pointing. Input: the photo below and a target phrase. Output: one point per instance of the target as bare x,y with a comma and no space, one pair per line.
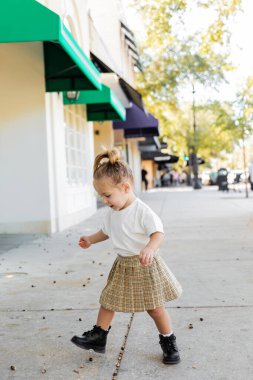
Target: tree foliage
244,109
170,57
215,134
173,59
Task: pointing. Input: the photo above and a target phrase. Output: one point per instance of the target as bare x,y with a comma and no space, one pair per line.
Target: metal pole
196,184
127,152
244,166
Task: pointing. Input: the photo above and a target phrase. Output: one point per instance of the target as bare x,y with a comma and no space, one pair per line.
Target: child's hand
146,256
84,242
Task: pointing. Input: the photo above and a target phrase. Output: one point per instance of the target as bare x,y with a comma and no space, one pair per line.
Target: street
50,290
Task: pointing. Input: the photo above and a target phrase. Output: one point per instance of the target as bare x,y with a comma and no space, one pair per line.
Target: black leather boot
170,350
94,339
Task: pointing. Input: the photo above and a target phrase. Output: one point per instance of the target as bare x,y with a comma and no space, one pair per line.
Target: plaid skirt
132,288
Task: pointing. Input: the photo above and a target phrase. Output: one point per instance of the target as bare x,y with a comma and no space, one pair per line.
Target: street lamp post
244,132
194,160
244,163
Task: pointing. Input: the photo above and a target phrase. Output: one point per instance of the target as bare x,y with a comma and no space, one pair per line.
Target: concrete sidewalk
50,290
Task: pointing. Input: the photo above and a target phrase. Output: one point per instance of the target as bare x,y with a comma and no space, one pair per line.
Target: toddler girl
139,279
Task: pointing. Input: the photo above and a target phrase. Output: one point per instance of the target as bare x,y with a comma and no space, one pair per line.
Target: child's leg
105,318
167,338
162,319
96,338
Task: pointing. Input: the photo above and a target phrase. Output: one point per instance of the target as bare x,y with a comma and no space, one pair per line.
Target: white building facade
47,148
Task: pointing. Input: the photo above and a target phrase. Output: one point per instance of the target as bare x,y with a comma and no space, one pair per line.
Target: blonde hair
109,164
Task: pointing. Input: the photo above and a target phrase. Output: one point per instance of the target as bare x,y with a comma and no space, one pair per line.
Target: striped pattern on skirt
132,288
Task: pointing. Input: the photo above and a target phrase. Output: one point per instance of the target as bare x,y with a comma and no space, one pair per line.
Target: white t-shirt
130,229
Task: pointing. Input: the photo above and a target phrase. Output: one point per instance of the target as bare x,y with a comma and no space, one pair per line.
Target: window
76,145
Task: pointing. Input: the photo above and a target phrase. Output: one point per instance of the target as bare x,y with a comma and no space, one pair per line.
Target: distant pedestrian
139,279
251,175
175,178
144,178
183,178
171,176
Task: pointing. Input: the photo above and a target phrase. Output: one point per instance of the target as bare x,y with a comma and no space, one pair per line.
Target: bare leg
162,319
105,318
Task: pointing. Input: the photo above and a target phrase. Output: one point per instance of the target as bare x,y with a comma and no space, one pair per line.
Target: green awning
101,105
66,65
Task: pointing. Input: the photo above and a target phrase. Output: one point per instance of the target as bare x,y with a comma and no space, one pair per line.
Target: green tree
173,60
244,109
215,135
244,118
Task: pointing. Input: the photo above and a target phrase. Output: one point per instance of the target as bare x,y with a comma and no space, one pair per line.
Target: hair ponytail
109,164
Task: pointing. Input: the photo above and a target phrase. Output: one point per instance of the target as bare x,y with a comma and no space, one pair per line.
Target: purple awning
138,123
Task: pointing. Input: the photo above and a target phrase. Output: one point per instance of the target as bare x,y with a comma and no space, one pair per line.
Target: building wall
24,190
106,17
72,196
103,137
71,155
74,14
47,149
149,166
36,193
135,163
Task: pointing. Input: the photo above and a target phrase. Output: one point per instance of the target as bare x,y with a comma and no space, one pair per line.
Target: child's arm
147,253
86,241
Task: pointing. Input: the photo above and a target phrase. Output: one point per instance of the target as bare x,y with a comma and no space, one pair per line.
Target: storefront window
76,145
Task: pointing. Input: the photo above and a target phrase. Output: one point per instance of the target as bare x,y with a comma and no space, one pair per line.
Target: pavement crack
49,310
96,308
122,350
212,307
